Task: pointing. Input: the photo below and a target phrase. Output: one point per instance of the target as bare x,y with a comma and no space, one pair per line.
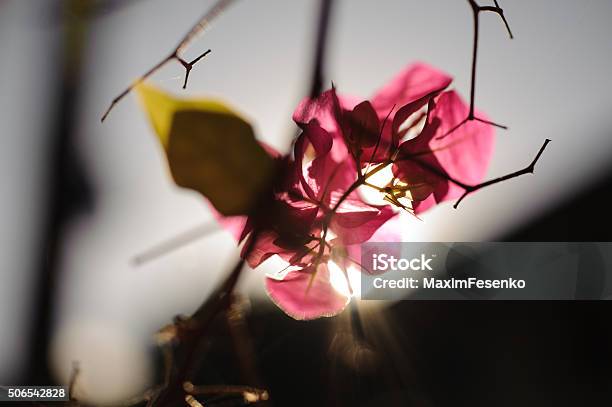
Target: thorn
187,71
189,65
195,61
503,17
200,25
530,169
501,126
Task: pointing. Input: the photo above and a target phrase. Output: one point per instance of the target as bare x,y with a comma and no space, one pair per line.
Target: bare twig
476,10
244,391
325,12
500,12
192,402
527,170
202,24
468,189
241,340
192,330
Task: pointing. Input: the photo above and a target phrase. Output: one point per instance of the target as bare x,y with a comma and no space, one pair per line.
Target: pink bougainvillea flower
315,213
293,218
445,148
314,195
348,216
371,130
391,231
355,222
307,294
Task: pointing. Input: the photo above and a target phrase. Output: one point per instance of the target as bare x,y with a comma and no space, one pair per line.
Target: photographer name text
383,262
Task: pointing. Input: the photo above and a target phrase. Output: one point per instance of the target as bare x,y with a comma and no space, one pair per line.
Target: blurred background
88,197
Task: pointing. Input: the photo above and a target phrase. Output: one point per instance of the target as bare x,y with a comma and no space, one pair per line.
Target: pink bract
315,212
307,295
462,153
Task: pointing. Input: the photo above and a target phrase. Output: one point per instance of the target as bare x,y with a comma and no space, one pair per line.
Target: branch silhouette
178,389
175,55
476,10
527,170
190,331
468,189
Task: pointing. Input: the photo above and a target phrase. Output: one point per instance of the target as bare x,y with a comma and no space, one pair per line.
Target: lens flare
380,179
339,281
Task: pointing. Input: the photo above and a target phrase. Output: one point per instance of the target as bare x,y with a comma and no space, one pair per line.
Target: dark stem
476,9
192,331
123,94
500,11
319,62
501,126
175,54
66,189
527,170
189,65
242,343
468,189
196,328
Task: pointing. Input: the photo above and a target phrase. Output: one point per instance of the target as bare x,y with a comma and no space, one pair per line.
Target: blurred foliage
210,149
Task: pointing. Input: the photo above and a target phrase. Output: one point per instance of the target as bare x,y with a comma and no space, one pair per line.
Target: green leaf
210,149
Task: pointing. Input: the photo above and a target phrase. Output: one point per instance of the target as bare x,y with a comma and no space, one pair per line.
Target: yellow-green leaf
210,149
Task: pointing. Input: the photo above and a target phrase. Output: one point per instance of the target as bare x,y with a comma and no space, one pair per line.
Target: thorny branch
468,189
319,60
250,394
316,87
191,331
178,388
527,170
476,10
202,24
